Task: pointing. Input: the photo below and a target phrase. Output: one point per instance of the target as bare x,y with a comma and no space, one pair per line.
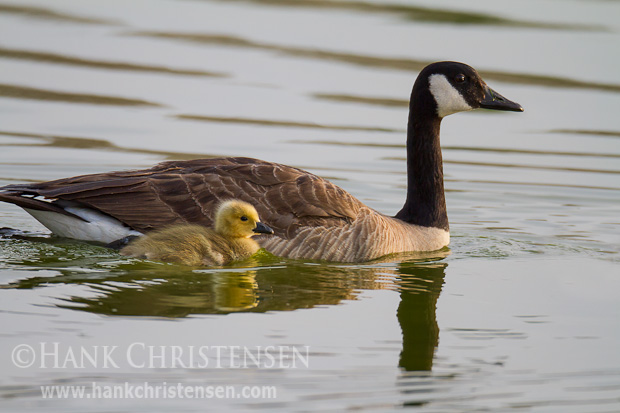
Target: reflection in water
181,294
524,166
73,142
22,92
380,62
47,14
387,102
235,292
447,148
46,57
164,290
608,133
415,13
541,167
129,287
420,286
282,123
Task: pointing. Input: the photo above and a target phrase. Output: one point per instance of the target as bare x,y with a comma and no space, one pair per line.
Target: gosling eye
243,218
460,78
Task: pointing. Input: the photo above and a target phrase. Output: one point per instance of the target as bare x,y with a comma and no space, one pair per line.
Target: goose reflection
261,284
181,293
420,287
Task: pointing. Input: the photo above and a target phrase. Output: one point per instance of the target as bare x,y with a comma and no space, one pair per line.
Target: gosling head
238,219
457,87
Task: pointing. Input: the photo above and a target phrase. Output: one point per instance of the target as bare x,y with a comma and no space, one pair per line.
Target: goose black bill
495,101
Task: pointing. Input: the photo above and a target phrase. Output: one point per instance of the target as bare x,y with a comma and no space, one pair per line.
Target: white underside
97,227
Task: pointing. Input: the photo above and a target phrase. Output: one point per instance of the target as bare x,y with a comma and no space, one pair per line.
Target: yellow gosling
229,240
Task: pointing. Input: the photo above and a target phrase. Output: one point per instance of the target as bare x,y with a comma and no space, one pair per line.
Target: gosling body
195,245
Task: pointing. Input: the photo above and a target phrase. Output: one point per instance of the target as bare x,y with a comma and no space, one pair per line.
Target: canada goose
312,218
229,240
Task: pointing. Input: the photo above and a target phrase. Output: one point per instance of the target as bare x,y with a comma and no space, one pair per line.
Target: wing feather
174,192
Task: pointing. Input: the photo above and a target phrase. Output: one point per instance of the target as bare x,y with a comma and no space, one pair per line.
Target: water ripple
23,92
405,64
73,142
281,123
418,13
47,14
45,57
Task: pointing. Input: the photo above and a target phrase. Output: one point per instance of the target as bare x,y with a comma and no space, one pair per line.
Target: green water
520,313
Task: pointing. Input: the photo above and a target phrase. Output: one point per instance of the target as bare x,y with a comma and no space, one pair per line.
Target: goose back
179,192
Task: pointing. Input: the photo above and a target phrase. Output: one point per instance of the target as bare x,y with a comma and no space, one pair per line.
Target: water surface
519,313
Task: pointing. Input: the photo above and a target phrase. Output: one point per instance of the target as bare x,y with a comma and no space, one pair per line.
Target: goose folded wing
177,192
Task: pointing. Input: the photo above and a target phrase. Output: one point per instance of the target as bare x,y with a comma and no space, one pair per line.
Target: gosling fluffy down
230,239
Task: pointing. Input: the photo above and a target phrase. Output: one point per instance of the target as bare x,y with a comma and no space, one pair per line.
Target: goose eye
244,218
459,78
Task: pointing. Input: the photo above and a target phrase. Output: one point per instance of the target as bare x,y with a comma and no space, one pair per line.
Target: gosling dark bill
262,229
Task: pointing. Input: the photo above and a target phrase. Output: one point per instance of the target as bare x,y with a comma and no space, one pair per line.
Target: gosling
229,240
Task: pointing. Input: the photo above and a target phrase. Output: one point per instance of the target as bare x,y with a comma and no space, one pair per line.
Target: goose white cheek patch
448,99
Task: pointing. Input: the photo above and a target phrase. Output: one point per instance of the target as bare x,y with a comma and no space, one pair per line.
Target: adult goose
311,217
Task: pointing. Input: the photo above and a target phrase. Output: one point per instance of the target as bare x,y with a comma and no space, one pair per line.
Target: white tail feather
97,227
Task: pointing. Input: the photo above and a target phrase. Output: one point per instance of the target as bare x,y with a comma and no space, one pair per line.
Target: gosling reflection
174,291
184,295
230,292
235,292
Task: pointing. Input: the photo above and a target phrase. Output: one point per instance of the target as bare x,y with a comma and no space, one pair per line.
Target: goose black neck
426,202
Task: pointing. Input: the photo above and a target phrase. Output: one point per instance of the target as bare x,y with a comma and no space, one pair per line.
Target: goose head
238,219
451,87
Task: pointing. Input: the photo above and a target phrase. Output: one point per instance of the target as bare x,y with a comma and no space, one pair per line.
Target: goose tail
69,220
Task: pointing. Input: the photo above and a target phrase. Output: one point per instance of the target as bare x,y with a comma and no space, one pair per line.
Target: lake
520,313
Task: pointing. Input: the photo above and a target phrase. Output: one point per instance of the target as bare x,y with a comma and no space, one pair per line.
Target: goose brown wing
286,198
